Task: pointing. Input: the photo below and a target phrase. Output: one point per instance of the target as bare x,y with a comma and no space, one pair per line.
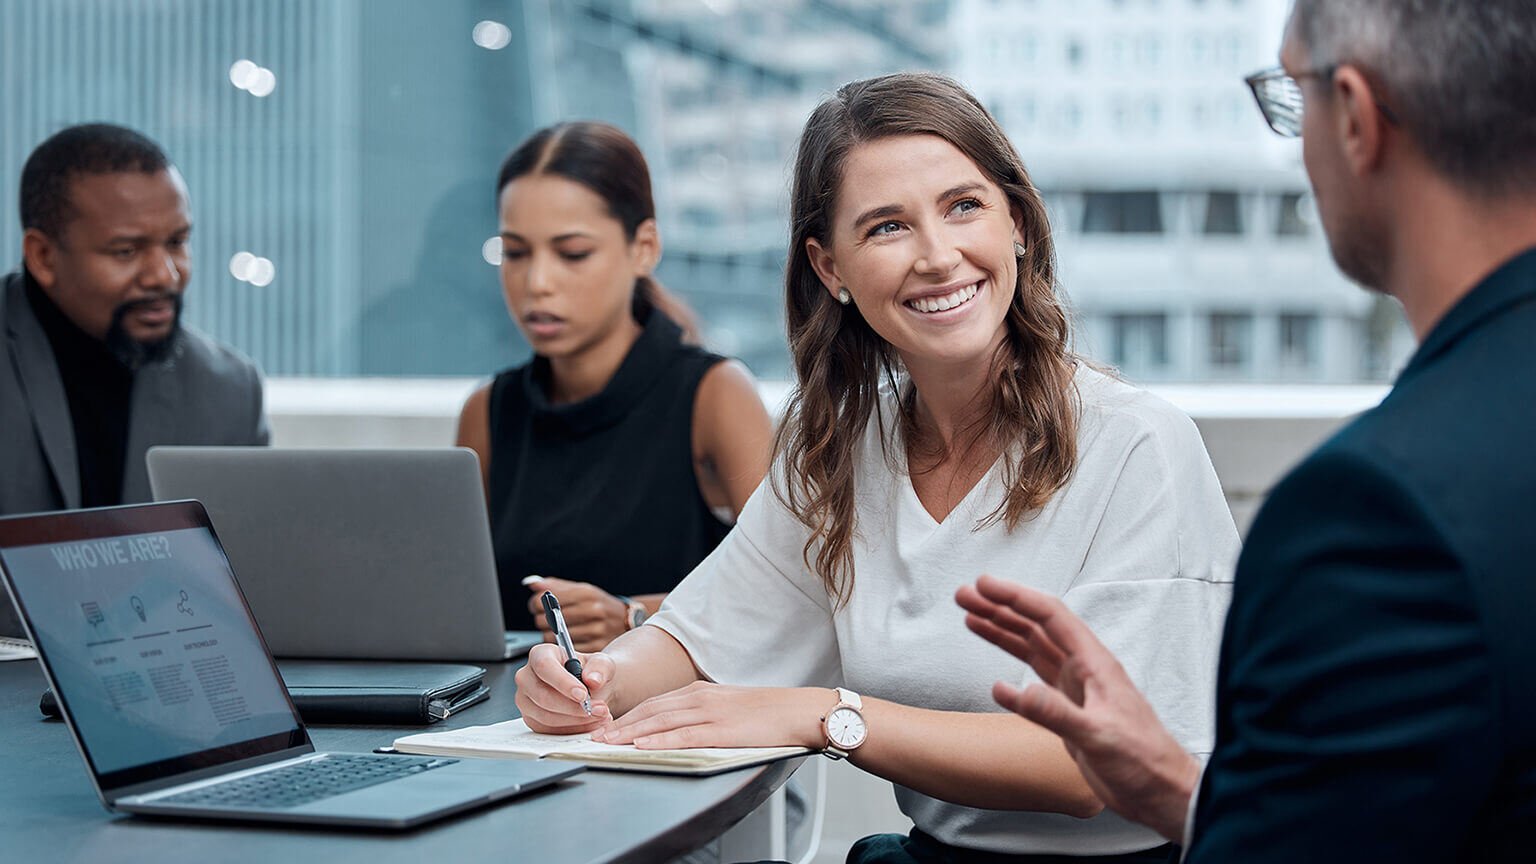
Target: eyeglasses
1279,97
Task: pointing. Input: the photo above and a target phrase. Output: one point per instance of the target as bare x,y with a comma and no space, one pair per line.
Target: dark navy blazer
1377,692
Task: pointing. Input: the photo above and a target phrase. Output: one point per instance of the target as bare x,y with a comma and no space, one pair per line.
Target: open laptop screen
147,640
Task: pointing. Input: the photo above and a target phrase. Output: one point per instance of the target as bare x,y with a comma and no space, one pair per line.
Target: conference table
49,810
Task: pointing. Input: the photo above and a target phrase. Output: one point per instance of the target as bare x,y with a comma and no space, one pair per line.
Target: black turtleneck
98,387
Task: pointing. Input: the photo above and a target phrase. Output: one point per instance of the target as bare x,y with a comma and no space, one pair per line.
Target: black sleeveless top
602,490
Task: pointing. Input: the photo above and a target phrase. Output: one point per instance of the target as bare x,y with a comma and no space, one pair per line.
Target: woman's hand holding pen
595,617
705,714
550,698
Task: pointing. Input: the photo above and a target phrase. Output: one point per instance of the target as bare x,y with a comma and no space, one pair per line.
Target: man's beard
133,353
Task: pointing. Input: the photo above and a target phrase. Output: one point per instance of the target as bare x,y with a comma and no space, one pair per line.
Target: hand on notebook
704,714
594,616
550,698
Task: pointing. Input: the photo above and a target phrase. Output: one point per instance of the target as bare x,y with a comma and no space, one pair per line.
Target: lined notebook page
514,738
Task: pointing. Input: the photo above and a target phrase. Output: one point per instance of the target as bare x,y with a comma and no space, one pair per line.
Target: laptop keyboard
301,783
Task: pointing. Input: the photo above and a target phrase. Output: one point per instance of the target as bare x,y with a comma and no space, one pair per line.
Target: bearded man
96,366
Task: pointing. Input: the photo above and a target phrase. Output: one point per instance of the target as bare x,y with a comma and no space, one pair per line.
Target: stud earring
1018,249
844,297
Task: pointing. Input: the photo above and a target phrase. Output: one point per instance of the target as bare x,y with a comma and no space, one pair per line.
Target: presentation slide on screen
151,645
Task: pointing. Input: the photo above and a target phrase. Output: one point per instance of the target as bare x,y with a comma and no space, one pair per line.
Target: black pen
563,639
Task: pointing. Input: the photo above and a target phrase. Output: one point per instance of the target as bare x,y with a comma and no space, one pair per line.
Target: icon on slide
138,606
184,606
93,613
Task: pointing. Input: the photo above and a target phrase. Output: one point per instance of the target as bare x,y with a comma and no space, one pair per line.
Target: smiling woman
940,428
927,244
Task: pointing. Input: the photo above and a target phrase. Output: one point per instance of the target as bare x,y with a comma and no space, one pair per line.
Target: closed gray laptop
379,554
173,699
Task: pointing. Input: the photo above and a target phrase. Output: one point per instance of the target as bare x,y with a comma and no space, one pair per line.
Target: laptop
172,697
377,554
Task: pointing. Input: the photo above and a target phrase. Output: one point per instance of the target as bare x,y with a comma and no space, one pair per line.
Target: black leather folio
365,692
383,693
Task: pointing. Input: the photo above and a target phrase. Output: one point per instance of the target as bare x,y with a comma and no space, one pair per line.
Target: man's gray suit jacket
201,393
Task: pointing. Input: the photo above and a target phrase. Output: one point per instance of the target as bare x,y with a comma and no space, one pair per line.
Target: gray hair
1460,76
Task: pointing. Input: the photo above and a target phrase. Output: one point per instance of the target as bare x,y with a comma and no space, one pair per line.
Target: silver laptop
379,554
172,697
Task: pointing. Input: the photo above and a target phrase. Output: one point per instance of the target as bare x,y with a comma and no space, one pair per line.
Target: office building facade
1187,236
342,153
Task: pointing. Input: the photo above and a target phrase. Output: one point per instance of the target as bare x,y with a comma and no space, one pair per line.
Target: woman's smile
933,304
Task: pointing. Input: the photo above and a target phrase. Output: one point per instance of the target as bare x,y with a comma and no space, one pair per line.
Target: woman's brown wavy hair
840,361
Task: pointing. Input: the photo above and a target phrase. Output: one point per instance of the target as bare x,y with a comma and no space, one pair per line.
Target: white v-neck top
1140,543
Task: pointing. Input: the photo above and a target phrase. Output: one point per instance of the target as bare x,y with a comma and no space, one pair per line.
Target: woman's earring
1018,249
844,297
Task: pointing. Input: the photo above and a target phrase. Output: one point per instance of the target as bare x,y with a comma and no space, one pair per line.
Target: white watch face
845,728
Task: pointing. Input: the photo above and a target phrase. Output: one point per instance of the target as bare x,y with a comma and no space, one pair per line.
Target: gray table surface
49,810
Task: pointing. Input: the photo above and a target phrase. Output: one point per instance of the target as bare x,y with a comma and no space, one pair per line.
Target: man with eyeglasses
95,366
1374,701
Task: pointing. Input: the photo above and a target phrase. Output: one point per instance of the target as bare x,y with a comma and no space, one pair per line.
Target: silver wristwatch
844,725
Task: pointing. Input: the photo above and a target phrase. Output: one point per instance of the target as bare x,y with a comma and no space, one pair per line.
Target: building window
1075,53
1139,342
1027,48
1026,112
1293,215
1298,340
1234,50
1122,213
1231,340
1223,214
1071,116
1237,112
1197,49
1120,113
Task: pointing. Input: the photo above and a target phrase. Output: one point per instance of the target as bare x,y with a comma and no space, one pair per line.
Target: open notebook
514,740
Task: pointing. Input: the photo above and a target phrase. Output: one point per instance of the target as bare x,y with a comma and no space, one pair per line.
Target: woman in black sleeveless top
608,456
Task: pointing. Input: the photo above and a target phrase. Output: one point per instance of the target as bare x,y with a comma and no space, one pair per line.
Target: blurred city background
342,154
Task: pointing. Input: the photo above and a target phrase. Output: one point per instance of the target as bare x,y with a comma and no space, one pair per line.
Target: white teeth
946,302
